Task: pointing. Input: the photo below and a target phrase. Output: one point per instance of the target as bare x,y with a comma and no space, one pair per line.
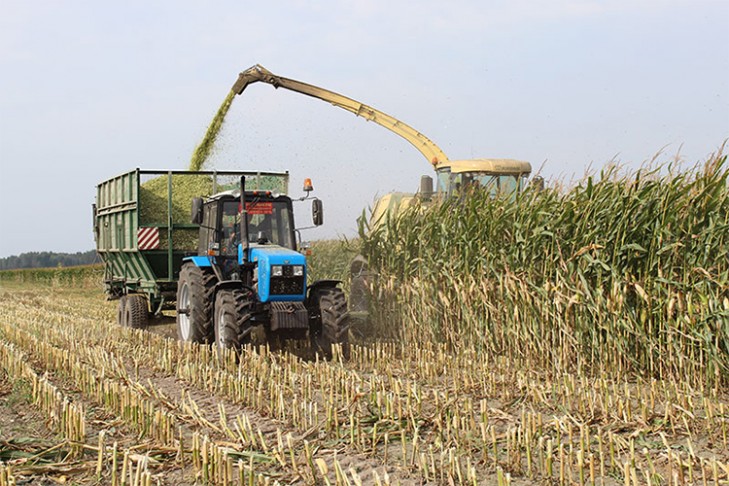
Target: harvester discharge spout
254,74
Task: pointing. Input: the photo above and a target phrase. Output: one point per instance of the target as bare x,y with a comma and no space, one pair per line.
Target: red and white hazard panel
148,238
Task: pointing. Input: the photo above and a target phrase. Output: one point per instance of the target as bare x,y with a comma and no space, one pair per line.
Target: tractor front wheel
232,320
330,323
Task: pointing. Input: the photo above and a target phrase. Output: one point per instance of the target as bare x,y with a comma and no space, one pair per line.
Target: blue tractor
248,279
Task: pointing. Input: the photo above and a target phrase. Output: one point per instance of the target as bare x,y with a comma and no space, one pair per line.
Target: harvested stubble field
120,406
586,352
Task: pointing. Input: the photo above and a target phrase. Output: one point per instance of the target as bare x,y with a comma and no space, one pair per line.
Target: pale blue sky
92,89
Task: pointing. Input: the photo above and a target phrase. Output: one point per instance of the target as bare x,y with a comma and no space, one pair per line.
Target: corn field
628,273
566,337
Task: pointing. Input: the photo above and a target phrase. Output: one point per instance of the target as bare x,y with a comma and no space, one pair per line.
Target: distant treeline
43,259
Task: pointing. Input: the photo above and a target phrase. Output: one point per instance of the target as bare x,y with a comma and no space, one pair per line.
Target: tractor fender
320,284
323,284
230,284
199,261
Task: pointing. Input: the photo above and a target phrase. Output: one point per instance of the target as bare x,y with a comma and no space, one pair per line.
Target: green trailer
143,230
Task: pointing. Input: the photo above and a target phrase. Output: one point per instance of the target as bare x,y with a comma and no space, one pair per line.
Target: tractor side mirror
196,213
317,212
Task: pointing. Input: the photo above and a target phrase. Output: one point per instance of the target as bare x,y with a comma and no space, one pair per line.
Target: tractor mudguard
199,261
323,284
232,285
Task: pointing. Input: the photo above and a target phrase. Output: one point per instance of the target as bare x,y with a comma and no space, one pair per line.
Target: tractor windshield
269,221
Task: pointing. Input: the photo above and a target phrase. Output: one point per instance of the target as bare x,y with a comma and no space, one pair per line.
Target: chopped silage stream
153,194
205,148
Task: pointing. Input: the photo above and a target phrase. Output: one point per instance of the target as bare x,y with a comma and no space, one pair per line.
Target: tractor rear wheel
232,320
136,312
330,323
195,304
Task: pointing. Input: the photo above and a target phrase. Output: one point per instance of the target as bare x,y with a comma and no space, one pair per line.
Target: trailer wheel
195,304
121,311
136,312
232,319
329,323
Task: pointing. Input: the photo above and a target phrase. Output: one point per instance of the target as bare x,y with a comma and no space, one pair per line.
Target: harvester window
493,184
443,181
508,184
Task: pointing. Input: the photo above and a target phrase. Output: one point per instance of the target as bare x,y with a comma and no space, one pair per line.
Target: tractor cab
269,222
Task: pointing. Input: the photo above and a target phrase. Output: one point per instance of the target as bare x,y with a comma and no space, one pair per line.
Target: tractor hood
280,273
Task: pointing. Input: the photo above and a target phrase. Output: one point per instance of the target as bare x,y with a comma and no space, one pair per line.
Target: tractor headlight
298,271
276,271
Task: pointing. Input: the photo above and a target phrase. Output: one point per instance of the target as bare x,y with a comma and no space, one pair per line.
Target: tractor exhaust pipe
243,219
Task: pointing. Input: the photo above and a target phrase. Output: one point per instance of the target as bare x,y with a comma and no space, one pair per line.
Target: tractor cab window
229,229
260,227
207,239
269,221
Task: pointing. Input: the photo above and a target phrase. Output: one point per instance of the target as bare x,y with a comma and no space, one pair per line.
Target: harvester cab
248,275
494,176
